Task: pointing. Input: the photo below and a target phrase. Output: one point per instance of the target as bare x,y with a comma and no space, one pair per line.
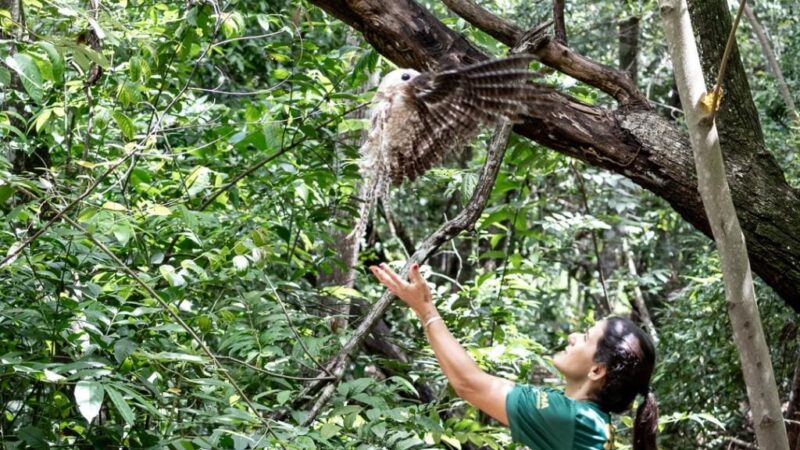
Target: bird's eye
405,76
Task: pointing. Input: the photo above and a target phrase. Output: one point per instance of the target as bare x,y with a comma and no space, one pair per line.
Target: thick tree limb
638,144
748,332
464,220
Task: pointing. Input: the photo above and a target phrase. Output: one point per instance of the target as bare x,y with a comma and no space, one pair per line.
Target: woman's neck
579,390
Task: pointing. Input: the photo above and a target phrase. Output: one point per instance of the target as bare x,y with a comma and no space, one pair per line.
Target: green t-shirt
546,419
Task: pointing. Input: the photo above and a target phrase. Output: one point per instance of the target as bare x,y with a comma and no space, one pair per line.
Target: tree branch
549,51
638,144
558,19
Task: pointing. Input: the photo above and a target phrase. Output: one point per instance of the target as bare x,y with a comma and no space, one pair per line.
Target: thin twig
291,326
605,305
268,372
725,56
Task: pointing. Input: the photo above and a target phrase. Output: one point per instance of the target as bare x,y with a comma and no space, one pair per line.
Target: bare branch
604,305
772,60
482,19
558,19
268,372
549,51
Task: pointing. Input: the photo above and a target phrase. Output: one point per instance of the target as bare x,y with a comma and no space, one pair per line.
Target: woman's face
576,362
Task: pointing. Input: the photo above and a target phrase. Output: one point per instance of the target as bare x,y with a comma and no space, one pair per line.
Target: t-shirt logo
542,401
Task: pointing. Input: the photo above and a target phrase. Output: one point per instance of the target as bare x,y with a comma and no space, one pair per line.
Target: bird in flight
420,117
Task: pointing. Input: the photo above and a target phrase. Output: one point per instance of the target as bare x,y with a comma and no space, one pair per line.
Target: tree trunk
793,408
772,62
748,334
632,140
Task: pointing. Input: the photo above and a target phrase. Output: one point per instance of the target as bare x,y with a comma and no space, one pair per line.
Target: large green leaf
122,406
89,397
29,74
125,125
55,58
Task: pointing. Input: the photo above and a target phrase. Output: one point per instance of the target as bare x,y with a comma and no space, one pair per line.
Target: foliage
227,128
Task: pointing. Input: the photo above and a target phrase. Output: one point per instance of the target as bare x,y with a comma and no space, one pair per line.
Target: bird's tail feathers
375,185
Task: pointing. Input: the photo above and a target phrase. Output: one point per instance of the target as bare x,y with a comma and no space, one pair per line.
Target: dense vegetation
207,151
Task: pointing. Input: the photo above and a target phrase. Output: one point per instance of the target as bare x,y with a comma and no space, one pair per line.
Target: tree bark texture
631,140
762,391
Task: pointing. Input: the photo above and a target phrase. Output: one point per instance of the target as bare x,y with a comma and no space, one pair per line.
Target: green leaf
128,93
5,193
15,130
233,25
33,436
240,263
198,180
125,125
5,77
172,357
342,292
280,73
93,55
42,118
172,277
89,397
55,58
263,21
122,406
123,348
158,210
352,125
123,231
28,73
114,206
329,430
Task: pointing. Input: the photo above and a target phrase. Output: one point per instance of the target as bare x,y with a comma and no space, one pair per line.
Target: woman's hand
415,292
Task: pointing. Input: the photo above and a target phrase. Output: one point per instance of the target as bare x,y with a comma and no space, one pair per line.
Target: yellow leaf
233,399
158,210
114,206
87,164
174,390
708,100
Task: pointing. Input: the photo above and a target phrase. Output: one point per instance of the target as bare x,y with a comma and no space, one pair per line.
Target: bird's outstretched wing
453,105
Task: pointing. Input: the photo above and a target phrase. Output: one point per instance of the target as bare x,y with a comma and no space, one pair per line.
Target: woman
605,368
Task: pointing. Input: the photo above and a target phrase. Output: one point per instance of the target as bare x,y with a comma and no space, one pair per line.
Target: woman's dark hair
629,357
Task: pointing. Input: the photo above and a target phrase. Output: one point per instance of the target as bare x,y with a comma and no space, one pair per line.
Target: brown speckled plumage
418,118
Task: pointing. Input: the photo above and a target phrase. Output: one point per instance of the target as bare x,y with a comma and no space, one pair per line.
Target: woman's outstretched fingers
384,278
394,277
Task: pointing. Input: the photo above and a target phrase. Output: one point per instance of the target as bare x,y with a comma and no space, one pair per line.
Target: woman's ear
597,372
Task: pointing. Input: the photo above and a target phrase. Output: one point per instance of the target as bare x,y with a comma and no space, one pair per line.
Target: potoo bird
417,118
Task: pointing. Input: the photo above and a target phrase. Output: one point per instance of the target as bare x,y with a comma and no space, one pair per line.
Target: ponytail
646,423
629,357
